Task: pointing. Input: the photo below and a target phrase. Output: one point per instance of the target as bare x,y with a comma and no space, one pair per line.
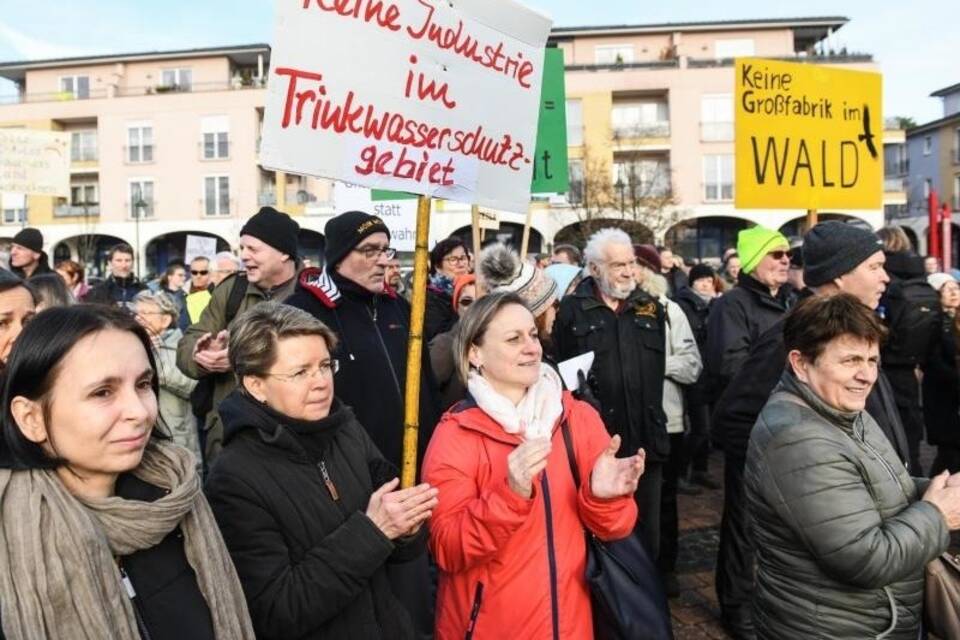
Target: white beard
617,292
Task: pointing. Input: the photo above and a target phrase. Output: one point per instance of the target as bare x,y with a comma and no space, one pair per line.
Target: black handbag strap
571,456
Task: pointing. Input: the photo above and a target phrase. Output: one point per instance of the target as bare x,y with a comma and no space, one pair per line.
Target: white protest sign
199,247
425,96
400,216
35,163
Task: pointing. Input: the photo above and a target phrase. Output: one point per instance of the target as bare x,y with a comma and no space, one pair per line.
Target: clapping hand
401,513
613,477
211,352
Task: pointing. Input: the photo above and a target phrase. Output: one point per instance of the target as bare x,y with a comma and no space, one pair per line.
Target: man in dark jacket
753,306
373,325
625,328
674,275
122,285
837,258
27,258
696,300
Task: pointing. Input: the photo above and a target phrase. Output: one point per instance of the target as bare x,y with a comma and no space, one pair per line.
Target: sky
915,60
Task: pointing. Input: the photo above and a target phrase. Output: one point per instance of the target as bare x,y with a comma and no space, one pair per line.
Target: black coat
941,388
114,290
42,267
311,566
440,316
373,332
697,311
628,367
748,392
676,280
737,319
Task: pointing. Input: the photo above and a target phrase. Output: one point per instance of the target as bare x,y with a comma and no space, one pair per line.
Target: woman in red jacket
508,532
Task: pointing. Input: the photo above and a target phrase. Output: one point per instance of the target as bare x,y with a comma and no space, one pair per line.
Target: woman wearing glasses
448,259
452,390
309,508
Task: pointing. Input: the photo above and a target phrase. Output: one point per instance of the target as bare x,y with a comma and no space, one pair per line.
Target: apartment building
165,143
928,161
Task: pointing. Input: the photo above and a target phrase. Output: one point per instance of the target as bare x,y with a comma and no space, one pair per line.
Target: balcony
845,58
267,198
716,132
76,210
53,96
900,168
125,92
894,185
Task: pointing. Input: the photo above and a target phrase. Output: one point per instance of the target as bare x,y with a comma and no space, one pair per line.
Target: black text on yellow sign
807,136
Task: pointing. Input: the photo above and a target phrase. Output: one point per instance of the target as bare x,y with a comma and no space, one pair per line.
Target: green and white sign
550,173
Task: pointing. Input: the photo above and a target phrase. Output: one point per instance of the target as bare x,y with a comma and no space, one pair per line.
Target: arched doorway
90,250
172,246
798,226
509,233
578,233
705,238
310,246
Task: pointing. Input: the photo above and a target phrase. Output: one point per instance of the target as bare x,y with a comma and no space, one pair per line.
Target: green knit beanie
756,242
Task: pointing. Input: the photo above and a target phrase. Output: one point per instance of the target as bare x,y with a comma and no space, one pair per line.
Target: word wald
792,161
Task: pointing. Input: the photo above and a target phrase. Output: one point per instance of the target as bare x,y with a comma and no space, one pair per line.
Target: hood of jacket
240,412
903,265
329,288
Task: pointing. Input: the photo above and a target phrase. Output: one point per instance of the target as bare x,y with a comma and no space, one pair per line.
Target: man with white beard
625,327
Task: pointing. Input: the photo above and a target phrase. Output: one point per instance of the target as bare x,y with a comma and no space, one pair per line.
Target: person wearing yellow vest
199,293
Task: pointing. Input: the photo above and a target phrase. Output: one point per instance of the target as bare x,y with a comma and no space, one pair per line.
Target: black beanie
700,271
832,249
30,238
275,228
346,231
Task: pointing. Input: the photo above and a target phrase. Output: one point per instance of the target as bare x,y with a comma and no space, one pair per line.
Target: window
139,143
956,193
927,188
640,119
733,48
216,137
76,86
927,145
575,171
716,118
83,194
216,195
613,54
142,204
640,178
83,146
181,79
718,177
14,207
574,123
956,146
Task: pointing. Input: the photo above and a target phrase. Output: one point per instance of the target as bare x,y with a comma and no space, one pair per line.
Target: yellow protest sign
807,136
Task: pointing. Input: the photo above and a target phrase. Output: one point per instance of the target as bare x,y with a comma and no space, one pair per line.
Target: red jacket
511,567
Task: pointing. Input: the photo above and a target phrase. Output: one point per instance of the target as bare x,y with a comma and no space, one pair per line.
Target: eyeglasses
325,369
372,253
456,259
198,272
780,254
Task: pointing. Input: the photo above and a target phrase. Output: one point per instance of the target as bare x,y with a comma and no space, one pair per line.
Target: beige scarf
58,577
538,411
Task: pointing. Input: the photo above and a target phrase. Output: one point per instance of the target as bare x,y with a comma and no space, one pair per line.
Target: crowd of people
216,454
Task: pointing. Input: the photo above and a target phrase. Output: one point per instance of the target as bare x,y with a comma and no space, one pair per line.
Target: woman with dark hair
104,531
310,509
50,291
448,259
172,281
842,532
17,307
507,534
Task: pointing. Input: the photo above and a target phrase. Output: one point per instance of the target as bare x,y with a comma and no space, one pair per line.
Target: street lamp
138,207
620,187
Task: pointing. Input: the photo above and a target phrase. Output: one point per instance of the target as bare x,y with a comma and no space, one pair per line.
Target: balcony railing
642,130
53,96
894,185
146,212
716,131
123,92
75,210
267,198
901,168
299,196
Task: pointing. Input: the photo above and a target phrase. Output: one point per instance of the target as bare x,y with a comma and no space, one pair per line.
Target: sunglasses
198,272
779,254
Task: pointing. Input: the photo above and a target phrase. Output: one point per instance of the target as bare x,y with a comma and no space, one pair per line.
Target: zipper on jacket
552,559
383,345
332,488
474,611
882,460
134,601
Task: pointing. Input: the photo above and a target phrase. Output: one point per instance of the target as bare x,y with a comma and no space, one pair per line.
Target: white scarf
537,412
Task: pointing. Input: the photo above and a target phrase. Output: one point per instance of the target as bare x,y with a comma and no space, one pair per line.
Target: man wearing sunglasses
198,296
372,323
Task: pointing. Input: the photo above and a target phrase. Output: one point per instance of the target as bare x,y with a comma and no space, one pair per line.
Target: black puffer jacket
113,290
311,566
842,536
629,363
373,332
941,388
736,321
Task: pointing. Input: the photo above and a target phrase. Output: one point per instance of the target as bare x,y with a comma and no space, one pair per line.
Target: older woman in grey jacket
158,313
842,535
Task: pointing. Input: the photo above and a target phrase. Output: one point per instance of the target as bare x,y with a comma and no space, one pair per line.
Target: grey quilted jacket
842,537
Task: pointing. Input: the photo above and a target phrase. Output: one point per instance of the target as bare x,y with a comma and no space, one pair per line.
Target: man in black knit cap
27,258
837,258
268,249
